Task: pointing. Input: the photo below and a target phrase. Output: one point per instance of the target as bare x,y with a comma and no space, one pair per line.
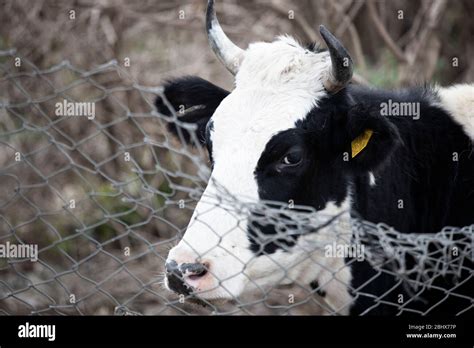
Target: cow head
288,132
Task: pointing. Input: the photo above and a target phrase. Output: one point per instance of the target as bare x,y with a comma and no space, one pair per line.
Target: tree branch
384,33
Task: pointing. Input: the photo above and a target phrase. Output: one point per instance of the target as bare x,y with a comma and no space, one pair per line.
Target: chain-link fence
105,192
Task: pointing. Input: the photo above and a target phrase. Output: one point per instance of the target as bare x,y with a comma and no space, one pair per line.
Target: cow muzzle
187,277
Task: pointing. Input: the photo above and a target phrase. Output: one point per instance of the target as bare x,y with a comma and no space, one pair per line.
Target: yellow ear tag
360,143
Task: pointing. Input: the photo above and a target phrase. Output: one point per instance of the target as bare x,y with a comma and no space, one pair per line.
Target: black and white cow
295,129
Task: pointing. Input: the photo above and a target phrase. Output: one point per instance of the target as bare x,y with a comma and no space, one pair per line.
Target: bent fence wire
105,195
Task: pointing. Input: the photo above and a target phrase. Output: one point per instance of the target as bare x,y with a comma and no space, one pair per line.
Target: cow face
286,133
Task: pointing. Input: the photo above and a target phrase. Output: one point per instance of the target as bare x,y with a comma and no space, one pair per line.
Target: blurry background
144,203
393,43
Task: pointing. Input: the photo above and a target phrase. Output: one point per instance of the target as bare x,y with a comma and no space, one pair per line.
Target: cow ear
372,138
194,100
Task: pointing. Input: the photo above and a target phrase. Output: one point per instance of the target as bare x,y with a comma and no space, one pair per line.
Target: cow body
425,184
432,172
294,130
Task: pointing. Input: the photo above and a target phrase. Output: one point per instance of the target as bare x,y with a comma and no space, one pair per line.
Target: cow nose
171,266
187,269
181,276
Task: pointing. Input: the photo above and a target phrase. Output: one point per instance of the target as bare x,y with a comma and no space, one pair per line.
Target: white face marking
372,181
277,84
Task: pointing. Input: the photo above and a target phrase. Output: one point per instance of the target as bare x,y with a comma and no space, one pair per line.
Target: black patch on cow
412,159
209,129
315,287
175,279
435,191
262,235
198,96
319,178
323,176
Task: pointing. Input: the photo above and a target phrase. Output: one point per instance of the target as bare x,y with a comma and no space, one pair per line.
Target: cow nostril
194,271
191,271
183,278
198,275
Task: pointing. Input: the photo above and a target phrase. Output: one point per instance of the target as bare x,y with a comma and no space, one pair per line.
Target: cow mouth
196,297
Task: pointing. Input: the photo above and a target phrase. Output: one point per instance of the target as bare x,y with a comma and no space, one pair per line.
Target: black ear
372,138
194,100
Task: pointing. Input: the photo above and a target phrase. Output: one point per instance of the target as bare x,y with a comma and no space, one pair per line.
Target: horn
228,53
342,65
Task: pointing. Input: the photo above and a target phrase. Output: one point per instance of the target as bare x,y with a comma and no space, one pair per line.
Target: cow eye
292,158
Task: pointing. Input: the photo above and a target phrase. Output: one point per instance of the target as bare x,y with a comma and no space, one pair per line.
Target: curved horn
342,66
228,53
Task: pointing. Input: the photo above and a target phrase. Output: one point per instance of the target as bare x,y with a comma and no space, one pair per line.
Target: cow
295,129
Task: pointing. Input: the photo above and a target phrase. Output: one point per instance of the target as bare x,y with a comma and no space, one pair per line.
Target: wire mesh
105,195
